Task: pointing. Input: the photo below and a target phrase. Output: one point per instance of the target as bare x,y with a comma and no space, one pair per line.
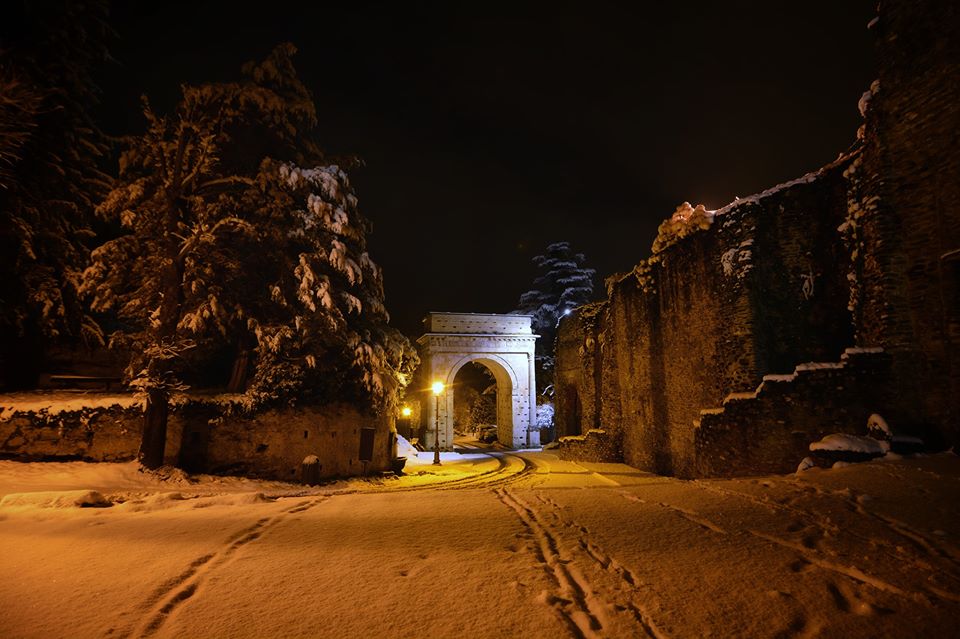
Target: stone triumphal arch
502,343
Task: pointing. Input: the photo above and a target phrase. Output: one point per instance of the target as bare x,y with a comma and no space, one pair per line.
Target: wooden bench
80,381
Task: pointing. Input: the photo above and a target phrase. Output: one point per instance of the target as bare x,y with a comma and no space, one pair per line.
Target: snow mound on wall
61,402
851,443
685,221
878,427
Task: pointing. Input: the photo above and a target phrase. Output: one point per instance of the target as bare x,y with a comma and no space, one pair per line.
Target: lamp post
404,421
437,391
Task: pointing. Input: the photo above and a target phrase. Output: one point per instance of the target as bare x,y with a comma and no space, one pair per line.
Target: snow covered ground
485,545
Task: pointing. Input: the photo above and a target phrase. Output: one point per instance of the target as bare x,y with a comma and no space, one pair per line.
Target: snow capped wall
770,429
96,427
207,434
865,251
753,293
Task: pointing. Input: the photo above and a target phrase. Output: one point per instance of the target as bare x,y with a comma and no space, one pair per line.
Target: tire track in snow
166,599
504,474
590,607
571,602
507,474
919,540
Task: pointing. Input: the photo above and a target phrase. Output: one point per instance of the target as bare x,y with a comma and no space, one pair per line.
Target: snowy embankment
553,549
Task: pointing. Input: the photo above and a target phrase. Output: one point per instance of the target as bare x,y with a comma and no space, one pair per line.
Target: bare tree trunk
154,439
238,376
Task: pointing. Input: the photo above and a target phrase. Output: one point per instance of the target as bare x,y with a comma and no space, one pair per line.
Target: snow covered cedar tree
563,284
241,234
50,181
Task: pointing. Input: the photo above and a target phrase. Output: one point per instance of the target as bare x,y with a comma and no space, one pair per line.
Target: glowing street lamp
437,391
405,411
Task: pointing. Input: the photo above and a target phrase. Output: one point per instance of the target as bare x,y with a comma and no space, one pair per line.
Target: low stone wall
770,429
596,445
203,434
69,426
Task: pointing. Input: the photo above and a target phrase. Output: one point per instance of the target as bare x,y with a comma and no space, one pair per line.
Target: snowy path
521,544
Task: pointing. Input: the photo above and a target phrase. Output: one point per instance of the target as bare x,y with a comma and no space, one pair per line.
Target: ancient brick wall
756,293
595,445
769,430
866,251
109,431
578,370
568,377
202,436
908,206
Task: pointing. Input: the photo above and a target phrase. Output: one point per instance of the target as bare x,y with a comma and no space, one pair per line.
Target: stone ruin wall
858,254
712,314
909,209
202,436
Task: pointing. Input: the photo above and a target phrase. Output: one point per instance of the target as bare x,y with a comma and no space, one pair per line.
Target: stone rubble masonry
203,435
911,173
714,313
596,445
862,253
770,429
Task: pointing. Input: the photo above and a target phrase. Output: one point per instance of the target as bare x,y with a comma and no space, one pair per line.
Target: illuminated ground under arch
502,343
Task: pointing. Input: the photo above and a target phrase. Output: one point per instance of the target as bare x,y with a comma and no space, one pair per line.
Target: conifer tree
50,179
563,284
240,231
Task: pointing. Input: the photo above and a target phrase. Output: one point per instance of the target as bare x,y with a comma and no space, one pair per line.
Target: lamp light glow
406,411
437,388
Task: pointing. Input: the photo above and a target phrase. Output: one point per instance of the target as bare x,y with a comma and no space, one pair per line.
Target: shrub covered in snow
545,415
685,221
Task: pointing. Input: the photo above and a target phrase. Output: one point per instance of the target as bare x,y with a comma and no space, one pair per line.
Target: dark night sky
490,130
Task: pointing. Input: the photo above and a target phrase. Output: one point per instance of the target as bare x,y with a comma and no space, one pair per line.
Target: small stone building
799,311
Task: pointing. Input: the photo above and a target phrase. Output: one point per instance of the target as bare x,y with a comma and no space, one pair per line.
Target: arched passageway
504,345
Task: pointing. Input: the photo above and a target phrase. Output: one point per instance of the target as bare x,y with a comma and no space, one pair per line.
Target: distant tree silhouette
50,179
564,283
